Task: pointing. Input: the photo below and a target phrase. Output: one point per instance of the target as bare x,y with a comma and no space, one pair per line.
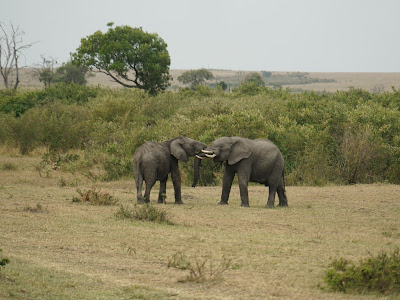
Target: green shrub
69,93
111,147
379,274
55,126
344,137
17,103
64,126
3,260
249,88
26,132
116,166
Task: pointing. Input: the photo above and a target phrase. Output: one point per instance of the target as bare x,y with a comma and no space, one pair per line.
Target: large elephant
154,161
253,160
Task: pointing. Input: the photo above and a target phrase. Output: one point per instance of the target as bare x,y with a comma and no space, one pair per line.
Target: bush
26,132
95,197
17,103
3,260
70,93
344,137
146,212
379,273
111,147
200,269
55,126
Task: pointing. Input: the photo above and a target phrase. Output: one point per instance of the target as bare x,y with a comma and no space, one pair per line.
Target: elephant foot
178,202
245,205
270,205
283,205
223,203
161,201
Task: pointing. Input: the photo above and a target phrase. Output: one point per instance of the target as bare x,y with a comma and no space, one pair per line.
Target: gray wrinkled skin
253,161
155,161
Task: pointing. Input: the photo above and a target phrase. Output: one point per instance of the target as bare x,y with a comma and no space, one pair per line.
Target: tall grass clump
201,269
95,196
375,274
146,212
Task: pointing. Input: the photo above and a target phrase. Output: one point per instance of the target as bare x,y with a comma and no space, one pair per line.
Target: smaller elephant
154,161
252,160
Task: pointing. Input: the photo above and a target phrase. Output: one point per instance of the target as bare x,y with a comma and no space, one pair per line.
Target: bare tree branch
123,76
11,49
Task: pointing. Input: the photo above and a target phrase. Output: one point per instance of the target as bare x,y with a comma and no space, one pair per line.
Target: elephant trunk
197,164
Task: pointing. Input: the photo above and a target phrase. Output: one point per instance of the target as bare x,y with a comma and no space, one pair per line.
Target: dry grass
81,251
343,80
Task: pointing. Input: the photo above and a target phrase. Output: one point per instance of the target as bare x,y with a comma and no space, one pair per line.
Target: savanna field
70,228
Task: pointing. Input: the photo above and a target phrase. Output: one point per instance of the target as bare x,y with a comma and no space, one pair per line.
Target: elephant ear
240,150
178,151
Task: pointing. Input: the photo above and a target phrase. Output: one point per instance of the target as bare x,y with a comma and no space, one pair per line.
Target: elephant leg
243,187
271,196
163,190
282,196
139,183
176,180
227,180
149,186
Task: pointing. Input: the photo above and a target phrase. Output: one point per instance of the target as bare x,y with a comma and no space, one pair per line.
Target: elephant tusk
207,151
199,157
211,156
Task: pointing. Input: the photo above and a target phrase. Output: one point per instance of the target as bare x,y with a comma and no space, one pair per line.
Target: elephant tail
283,178
138,174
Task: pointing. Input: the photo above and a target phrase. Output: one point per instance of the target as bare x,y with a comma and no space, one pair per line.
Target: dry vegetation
62,249
342,80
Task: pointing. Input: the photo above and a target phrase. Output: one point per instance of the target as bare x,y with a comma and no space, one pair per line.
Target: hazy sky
269,35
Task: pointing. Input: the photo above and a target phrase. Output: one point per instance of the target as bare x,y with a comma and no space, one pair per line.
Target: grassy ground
59,249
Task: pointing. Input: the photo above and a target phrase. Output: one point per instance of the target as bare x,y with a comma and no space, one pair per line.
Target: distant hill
296,81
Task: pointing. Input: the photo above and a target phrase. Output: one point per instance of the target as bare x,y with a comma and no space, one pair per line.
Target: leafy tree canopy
195,77
71,73
130,56
255,78
68,73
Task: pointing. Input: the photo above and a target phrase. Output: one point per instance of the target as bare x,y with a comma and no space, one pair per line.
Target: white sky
256,35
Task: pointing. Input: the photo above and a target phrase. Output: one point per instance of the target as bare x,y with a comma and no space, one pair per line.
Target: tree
130,56
255,78
71,73
11,48
266,74
46,72
195,77
223,85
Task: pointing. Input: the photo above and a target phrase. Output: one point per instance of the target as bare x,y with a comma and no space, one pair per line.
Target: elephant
257,160
154,161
